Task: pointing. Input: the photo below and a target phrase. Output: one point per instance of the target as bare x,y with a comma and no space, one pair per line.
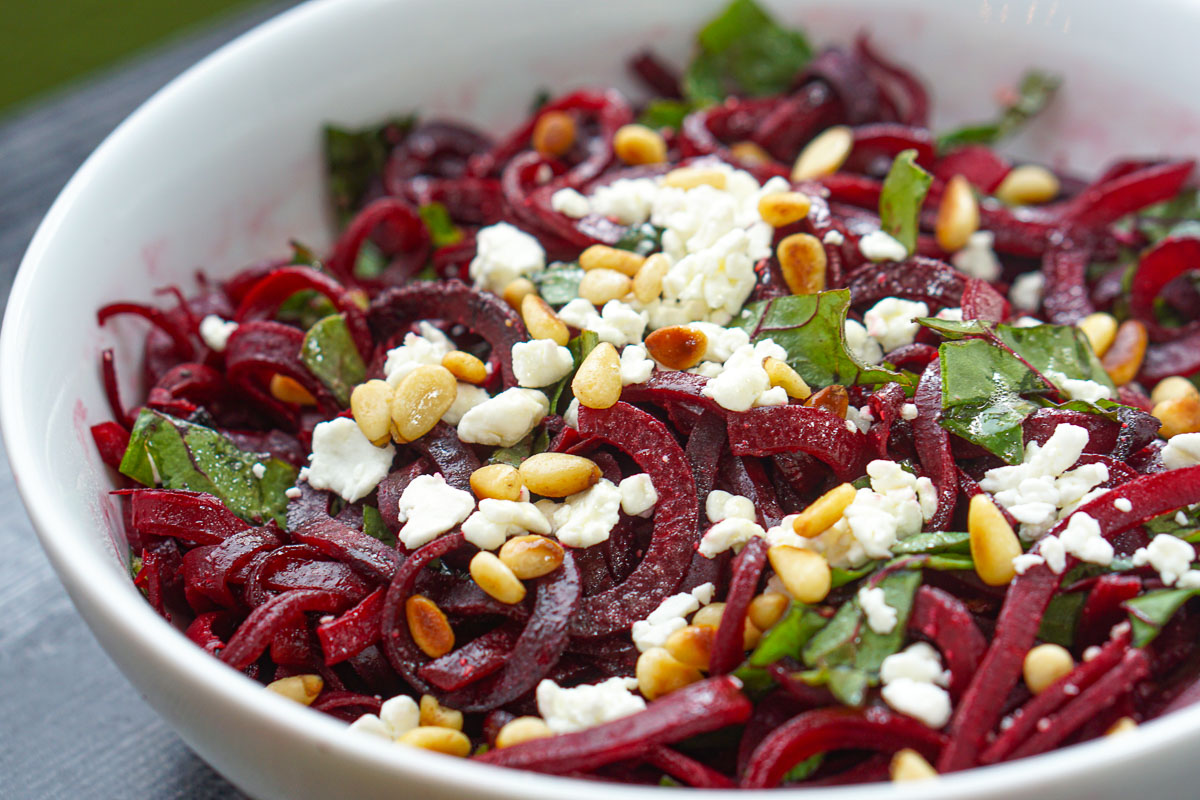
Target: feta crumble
468,397
909,412
497,520
892,321
1170,556
911,681
216,332
1123,504
977,258
504,253
670,616
397,716
587,518
258,470
881,618
505,419
880,246
860,345
834,238
638,495
617,323
540,362
729,534
427,348
571,203
429,507
1077,389
744,383
1026,291
580,707
720,505
343,460
636,365
1182,450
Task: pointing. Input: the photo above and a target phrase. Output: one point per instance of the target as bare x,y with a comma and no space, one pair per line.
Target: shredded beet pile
799,682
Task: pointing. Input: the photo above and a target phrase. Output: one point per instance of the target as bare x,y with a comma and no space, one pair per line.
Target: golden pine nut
541,321
1028,184
677,346
767,609
597,382
531,556
802,261
691,177
692,645
516,291
439,740
709,615
301,688
781,374
909,765
495,578
558,474
993,543
784,208
637,144
1100,330
1045,664
647,283
290,390
428,625
598,286
824,155
1173,388
1123,725
958,215
834,399
601,256
522,729
805,573
465,367
1179,415
420,400
1124,356
497,482
436,715
751,154
553,133
823,512
371,405
659,673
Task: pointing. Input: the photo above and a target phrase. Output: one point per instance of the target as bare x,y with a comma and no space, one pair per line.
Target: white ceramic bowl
222,166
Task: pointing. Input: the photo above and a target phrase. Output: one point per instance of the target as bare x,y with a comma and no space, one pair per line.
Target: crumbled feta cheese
1170,556
1123,504
909,411
1076,389
504,419
1026,561
785,533
1182,450
670,616
627,200
429,507
1026,291
720,343
293,493
259,470
540,362
1181,518
468,397
721,505
504,253
891,321
497,520
428,347
860,345
638,495
345,461
976,258
570,202
833,237
618,323
1082,539
881,617
951,314
879,246
918,662
636,365
580,707
731,533
910,685
1189,580
571,415
216,332
744,382
397,716
1052,550
860,417
587,518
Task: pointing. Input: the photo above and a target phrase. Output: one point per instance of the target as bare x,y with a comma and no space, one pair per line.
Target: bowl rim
132,621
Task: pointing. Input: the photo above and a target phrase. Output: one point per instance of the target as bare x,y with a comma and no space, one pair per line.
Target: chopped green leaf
1061,618
1186,528
642,239
374,526
304,255
668,781
1056,348
353,158
936,542
804,769
135,566
956,329
788,636
513,456
1034,93
371,261
899,587
559,285
812,329
540,98
1153,610
666,113
834,644
841,576
176,454
442,230
1175,217
329,353
900,201
560,394
849,685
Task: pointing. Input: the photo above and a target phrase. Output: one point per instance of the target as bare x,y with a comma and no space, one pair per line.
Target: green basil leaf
947,562
812,329
833,645
804,769
559,284
1061,618
666,113
904,191
848,684
1056,348
1175,217
788,636
513,456
956,329
1187,528
442,230
936,542
899,588
355,157
373,525
371,261
1151,611
1035,92
642,239
841,576
329,353
176,454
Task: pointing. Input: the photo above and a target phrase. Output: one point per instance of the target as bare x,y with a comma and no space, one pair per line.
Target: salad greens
900,201
353,158
1034,93
329,353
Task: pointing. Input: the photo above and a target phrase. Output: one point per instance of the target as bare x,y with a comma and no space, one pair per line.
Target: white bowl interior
223,167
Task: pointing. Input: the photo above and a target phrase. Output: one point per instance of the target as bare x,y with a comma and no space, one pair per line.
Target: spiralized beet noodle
732,629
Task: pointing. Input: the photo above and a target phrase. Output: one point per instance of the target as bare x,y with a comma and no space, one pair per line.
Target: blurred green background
47,44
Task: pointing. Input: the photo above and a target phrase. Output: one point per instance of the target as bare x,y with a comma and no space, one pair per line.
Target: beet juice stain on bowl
755,435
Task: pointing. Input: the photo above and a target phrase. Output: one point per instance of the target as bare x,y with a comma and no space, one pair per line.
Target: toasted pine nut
428,625
290,390
647,283
692,645
958,215
495,578
531,556
301,688
1123,725
824,155
436,715
750,153
691,177
558,474
541,321
1028,184
677,346
465,367
909,765
597,382
1124,356
784,208
637,144
659,673
522,729
781,374
802,261
515,292
805,573
834,399
709,615
601,256
993,543
419,401
1180,415
1100,330
497,482
767,609
1045,664
371,404
598,286
439,740
553,133
1173,388
823,512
